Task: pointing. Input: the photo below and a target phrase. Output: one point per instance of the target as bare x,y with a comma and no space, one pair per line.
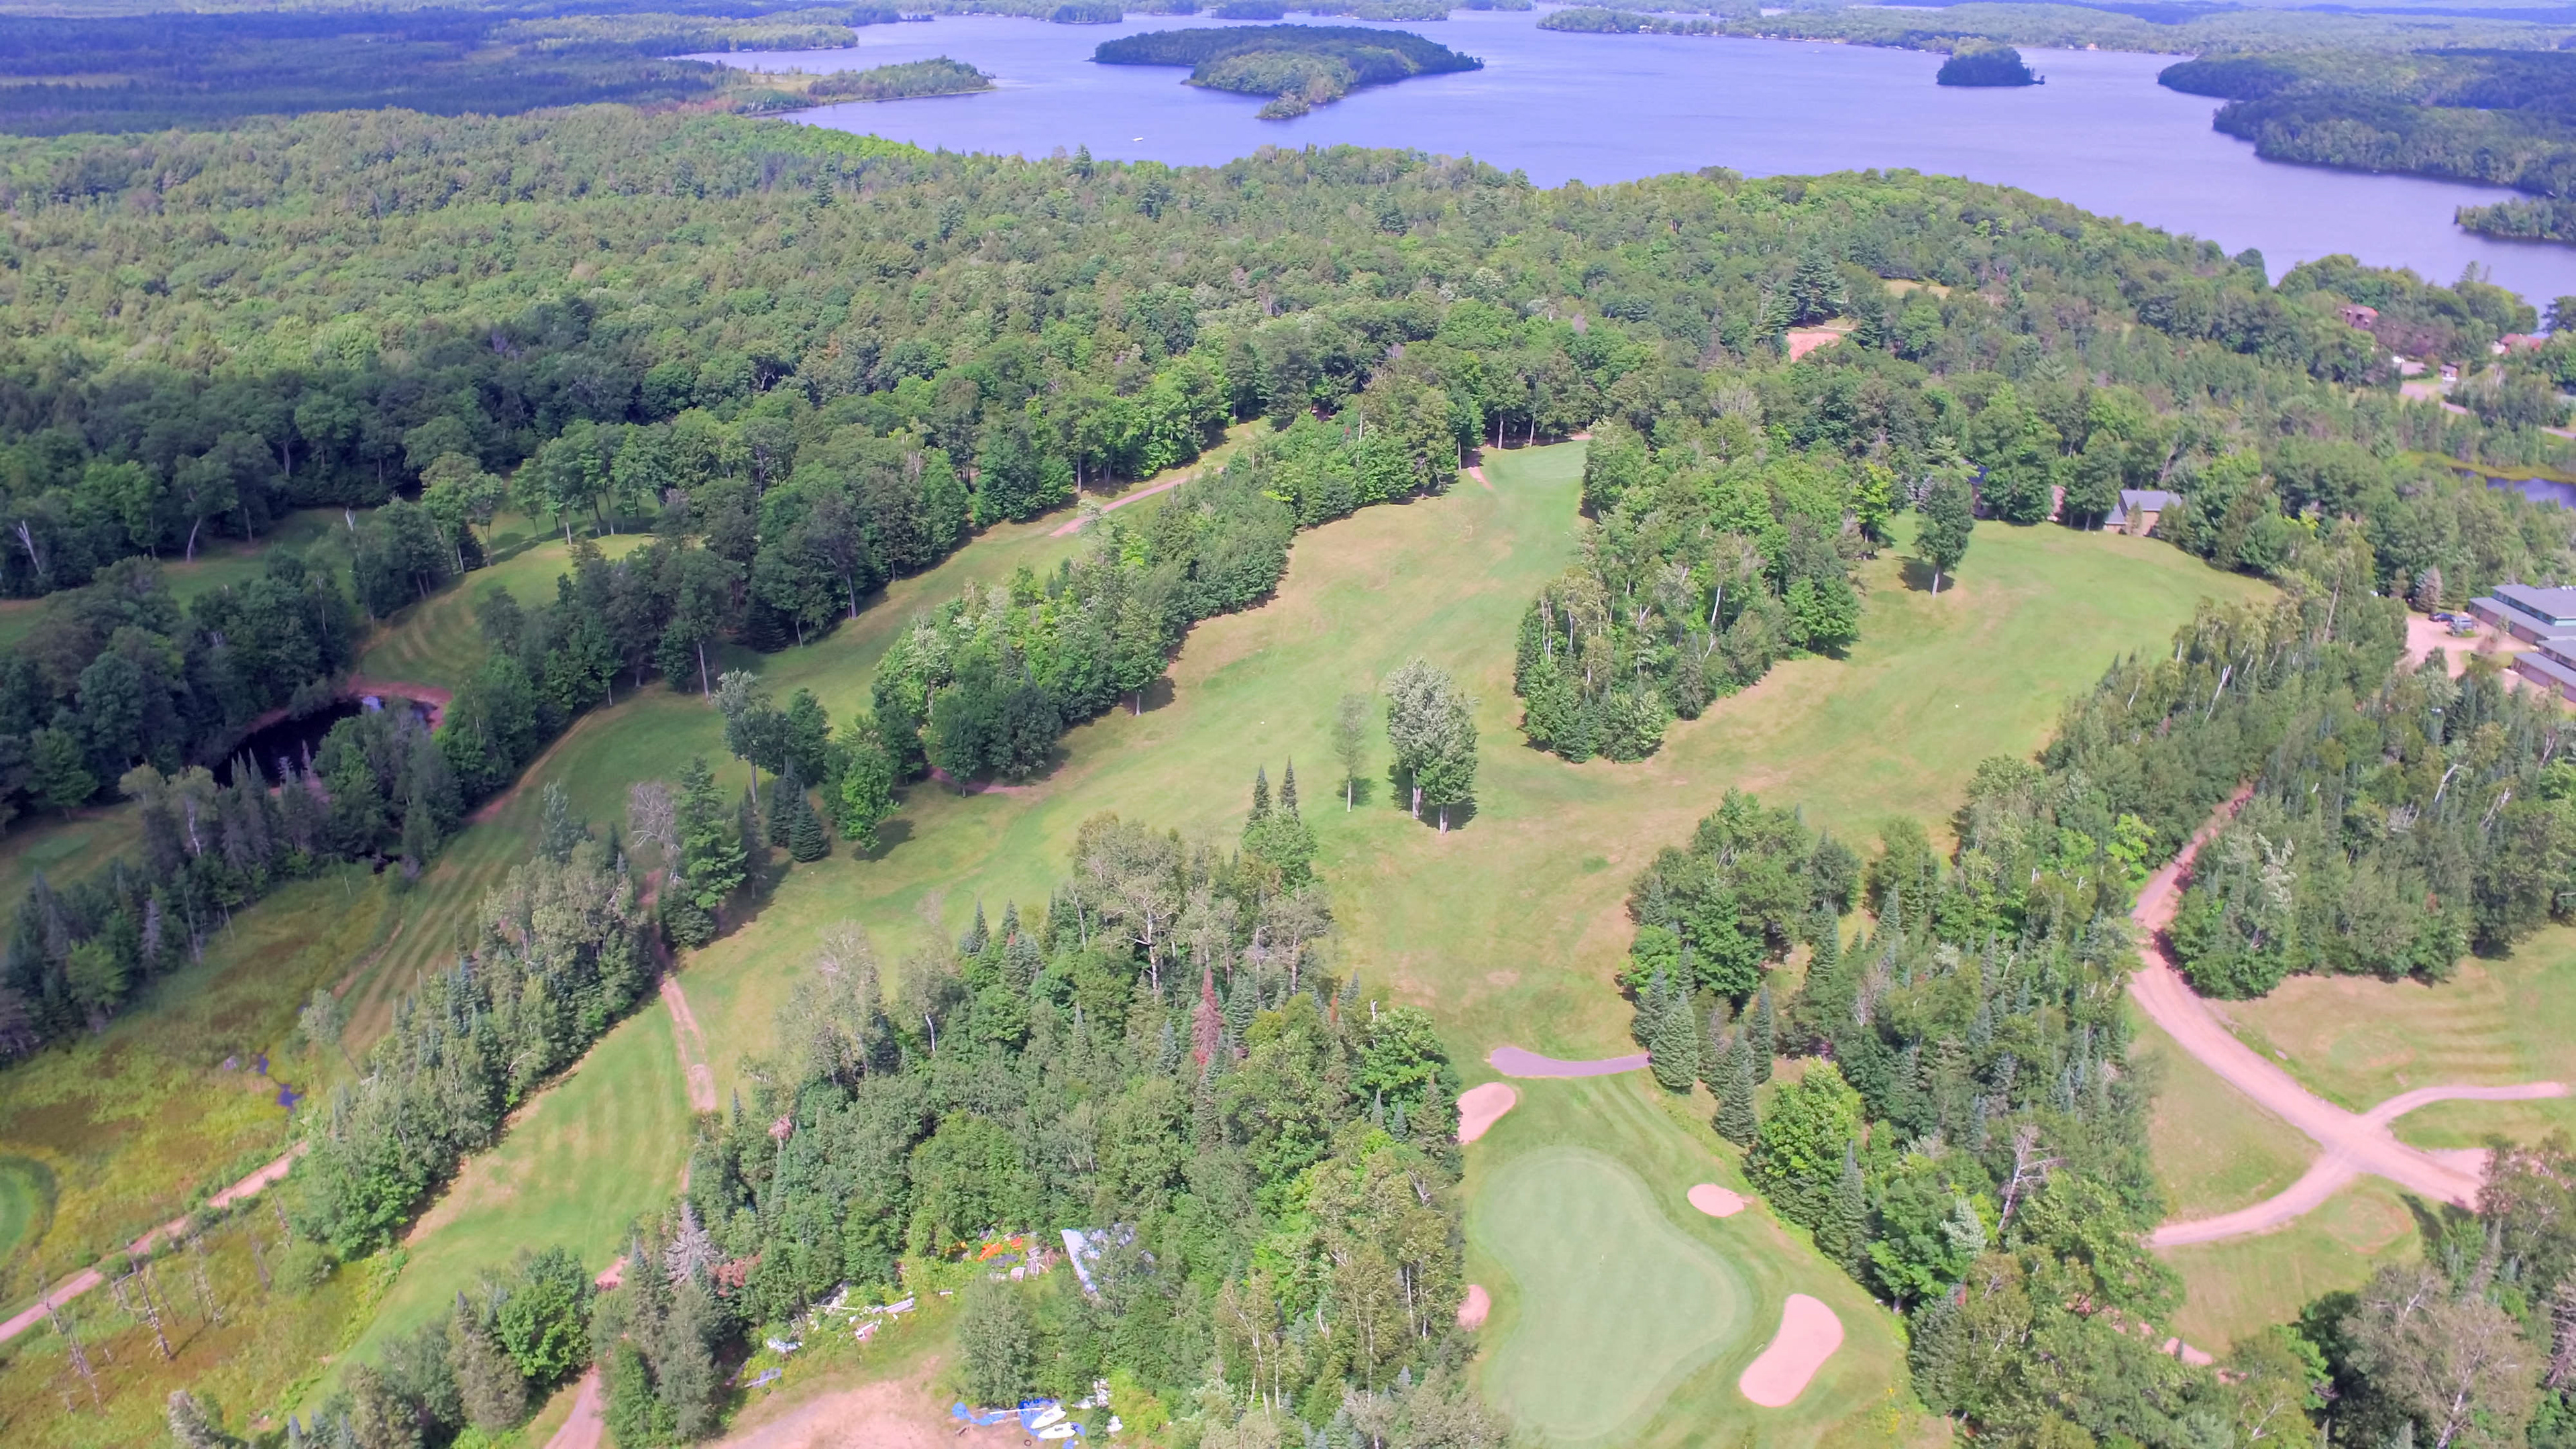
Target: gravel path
88,1278
2353,1143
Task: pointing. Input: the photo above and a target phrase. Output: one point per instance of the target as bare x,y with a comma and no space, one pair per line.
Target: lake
1602,108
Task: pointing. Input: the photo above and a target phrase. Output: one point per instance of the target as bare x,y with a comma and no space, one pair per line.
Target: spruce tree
1843,1234
1766,1035
973,942
785,791
494,1392
1260,792
1714,1037
1736,1121
1672,1037
807,840
1288,788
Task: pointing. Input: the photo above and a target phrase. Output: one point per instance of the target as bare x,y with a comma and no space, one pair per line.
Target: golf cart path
1122,500
88,1278
2353,1143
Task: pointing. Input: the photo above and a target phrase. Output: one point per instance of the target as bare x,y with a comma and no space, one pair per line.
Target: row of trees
1972,1143
985,684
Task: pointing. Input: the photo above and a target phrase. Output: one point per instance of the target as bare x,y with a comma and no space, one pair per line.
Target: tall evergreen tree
1765,1038
807,841
1843,1233
1672,1036
1288,788
1736,1120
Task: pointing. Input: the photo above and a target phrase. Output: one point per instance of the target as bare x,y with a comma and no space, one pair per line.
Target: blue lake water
1602,108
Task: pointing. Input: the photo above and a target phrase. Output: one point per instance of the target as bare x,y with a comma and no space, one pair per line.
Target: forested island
1594,20
1299,66
1986,66
938,76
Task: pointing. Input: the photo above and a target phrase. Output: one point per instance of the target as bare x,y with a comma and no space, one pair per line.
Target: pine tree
1260,793
1714,1037
1288,788
712,861
807,841
977,936
1843,1233
495,1395
1672,1036
1766,1036
784,790
1736,1120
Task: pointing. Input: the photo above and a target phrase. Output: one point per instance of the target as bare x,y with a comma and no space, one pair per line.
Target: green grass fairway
1623,1315
601,1149
2356,1041
2215,1152
1617,1306
2244,1285
2359,1041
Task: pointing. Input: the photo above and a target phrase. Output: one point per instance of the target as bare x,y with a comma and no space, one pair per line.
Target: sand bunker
1471,1314
1482,1107
1716,1201
1809,1334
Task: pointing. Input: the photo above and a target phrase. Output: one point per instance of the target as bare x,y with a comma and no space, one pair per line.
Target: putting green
26,1202
1617,1306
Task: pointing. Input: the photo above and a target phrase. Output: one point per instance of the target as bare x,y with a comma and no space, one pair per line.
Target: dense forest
1971,1141
1595,20
2497,116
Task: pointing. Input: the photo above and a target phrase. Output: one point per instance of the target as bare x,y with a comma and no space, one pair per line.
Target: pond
1603,108
283,747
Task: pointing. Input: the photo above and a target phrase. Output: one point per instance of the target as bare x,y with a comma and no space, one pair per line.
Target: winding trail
88,1278
692,1044
2353,1143
1122,500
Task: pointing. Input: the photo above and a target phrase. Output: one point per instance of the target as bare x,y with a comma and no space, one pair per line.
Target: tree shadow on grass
1917,575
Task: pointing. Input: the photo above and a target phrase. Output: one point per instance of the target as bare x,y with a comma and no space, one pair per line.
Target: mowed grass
1623,1315
2358,1041
1617,1304
2214,1151
2241,1286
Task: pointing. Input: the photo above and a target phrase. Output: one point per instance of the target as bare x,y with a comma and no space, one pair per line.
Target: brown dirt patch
897,1414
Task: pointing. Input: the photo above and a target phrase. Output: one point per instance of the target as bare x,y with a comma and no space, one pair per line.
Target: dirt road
2353,1143
88,1278
693,1047
1113,505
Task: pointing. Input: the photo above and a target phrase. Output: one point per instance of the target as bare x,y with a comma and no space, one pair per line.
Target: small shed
2138,509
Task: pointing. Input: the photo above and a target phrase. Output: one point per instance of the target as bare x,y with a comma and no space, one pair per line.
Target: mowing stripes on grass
1617,1306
